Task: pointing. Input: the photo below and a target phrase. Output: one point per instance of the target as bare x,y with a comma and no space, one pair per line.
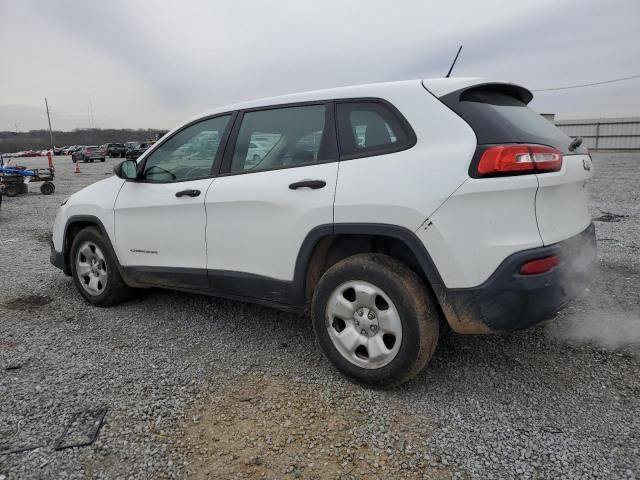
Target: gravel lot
204,388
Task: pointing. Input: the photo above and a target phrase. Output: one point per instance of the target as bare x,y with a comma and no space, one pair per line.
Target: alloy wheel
363,324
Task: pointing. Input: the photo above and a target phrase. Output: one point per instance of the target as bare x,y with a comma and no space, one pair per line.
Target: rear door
266,200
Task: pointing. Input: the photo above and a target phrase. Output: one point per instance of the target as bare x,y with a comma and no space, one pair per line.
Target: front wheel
95,271
375,320
11,190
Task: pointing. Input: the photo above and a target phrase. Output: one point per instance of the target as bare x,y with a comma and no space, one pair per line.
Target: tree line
39,139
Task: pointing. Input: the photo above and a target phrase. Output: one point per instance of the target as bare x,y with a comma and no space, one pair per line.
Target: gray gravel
201,387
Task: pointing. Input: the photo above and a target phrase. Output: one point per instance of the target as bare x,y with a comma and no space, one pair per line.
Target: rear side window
284,137
497,116
367,128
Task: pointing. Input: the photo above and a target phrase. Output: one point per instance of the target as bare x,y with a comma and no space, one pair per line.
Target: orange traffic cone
77,168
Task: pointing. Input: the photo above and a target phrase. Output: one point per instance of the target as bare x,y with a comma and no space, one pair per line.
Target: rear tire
375,319
95,271
47,188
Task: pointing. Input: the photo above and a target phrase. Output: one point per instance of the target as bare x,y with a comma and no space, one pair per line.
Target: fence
605,133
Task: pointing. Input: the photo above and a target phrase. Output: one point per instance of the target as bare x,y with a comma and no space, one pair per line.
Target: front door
277,183
160,218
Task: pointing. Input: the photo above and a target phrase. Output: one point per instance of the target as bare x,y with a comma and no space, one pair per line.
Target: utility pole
49,119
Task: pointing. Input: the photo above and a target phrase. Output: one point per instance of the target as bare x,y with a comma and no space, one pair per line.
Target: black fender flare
409,238
85,219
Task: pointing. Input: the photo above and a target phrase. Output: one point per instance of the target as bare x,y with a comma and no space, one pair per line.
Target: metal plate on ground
83,429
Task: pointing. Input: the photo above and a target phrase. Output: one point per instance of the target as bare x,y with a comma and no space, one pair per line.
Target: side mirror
127,170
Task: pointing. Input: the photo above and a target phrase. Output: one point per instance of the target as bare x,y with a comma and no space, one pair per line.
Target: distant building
621,133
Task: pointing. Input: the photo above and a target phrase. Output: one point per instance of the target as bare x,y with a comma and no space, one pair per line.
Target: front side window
369,128
187,155
283,137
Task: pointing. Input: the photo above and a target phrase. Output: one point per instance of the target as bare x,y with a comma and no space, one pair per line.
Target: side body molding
285,295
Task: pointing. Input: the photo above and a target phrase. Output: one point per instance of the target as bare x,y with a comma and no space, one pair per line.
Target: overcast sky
154,63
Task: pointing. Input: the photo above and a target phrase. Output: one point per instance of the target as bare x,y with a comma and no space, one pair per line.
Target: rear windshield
498,117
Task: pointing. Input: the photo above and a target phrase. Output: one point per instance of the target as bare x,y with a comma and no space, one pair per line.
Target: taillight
517,159
539,265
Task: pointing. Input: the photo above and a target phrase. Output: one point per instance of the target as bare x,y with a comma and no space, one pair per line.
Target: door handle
313,184
188,193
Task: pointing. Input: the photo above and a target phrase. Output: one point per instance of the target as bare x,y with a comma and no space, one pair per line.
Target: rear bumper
509,301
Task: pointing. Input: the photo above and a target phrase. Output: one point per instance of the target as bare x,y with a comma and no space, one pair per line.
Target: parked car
88,154
380,210
114,149
74,149
134,150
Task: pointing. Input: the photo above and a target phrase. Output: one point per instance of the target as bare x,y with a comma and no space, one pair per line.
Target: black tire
47,188
11,190
116,291
74,160
417,309
102,159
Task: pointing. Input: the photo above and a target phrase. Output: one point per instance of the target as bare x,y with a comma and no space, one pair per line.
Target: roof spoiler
458,86
515,91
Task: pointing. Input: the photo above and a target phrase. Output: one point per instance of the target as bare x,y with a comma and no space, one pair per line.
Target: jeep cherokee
377,210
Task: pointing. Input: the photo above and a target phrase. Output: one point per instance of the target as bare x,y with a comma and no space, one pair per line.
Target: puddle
27,302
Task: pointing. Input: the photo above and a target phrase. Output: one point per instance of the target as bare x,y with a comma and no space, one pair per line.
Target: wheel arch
75,224
327,244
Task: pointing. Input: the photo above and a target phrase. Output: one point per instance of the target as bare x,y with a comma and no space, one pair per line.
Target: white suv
376,209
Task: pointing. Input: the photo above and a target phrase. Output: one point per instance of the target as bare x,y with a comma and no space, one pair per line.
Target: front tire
11,190
375,320
94,270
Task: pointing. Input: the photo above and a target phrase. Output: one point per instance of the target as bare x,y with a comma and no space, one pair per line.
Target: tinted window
369,128
283,137
498,116
189,154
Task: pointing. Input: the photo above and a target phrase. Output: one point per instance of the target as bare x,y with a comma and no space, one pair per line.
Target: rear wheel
47,188
375,320
95,271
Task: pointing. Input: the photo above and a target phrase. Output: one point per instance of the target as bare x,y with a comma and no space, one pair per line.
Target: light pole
49,119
